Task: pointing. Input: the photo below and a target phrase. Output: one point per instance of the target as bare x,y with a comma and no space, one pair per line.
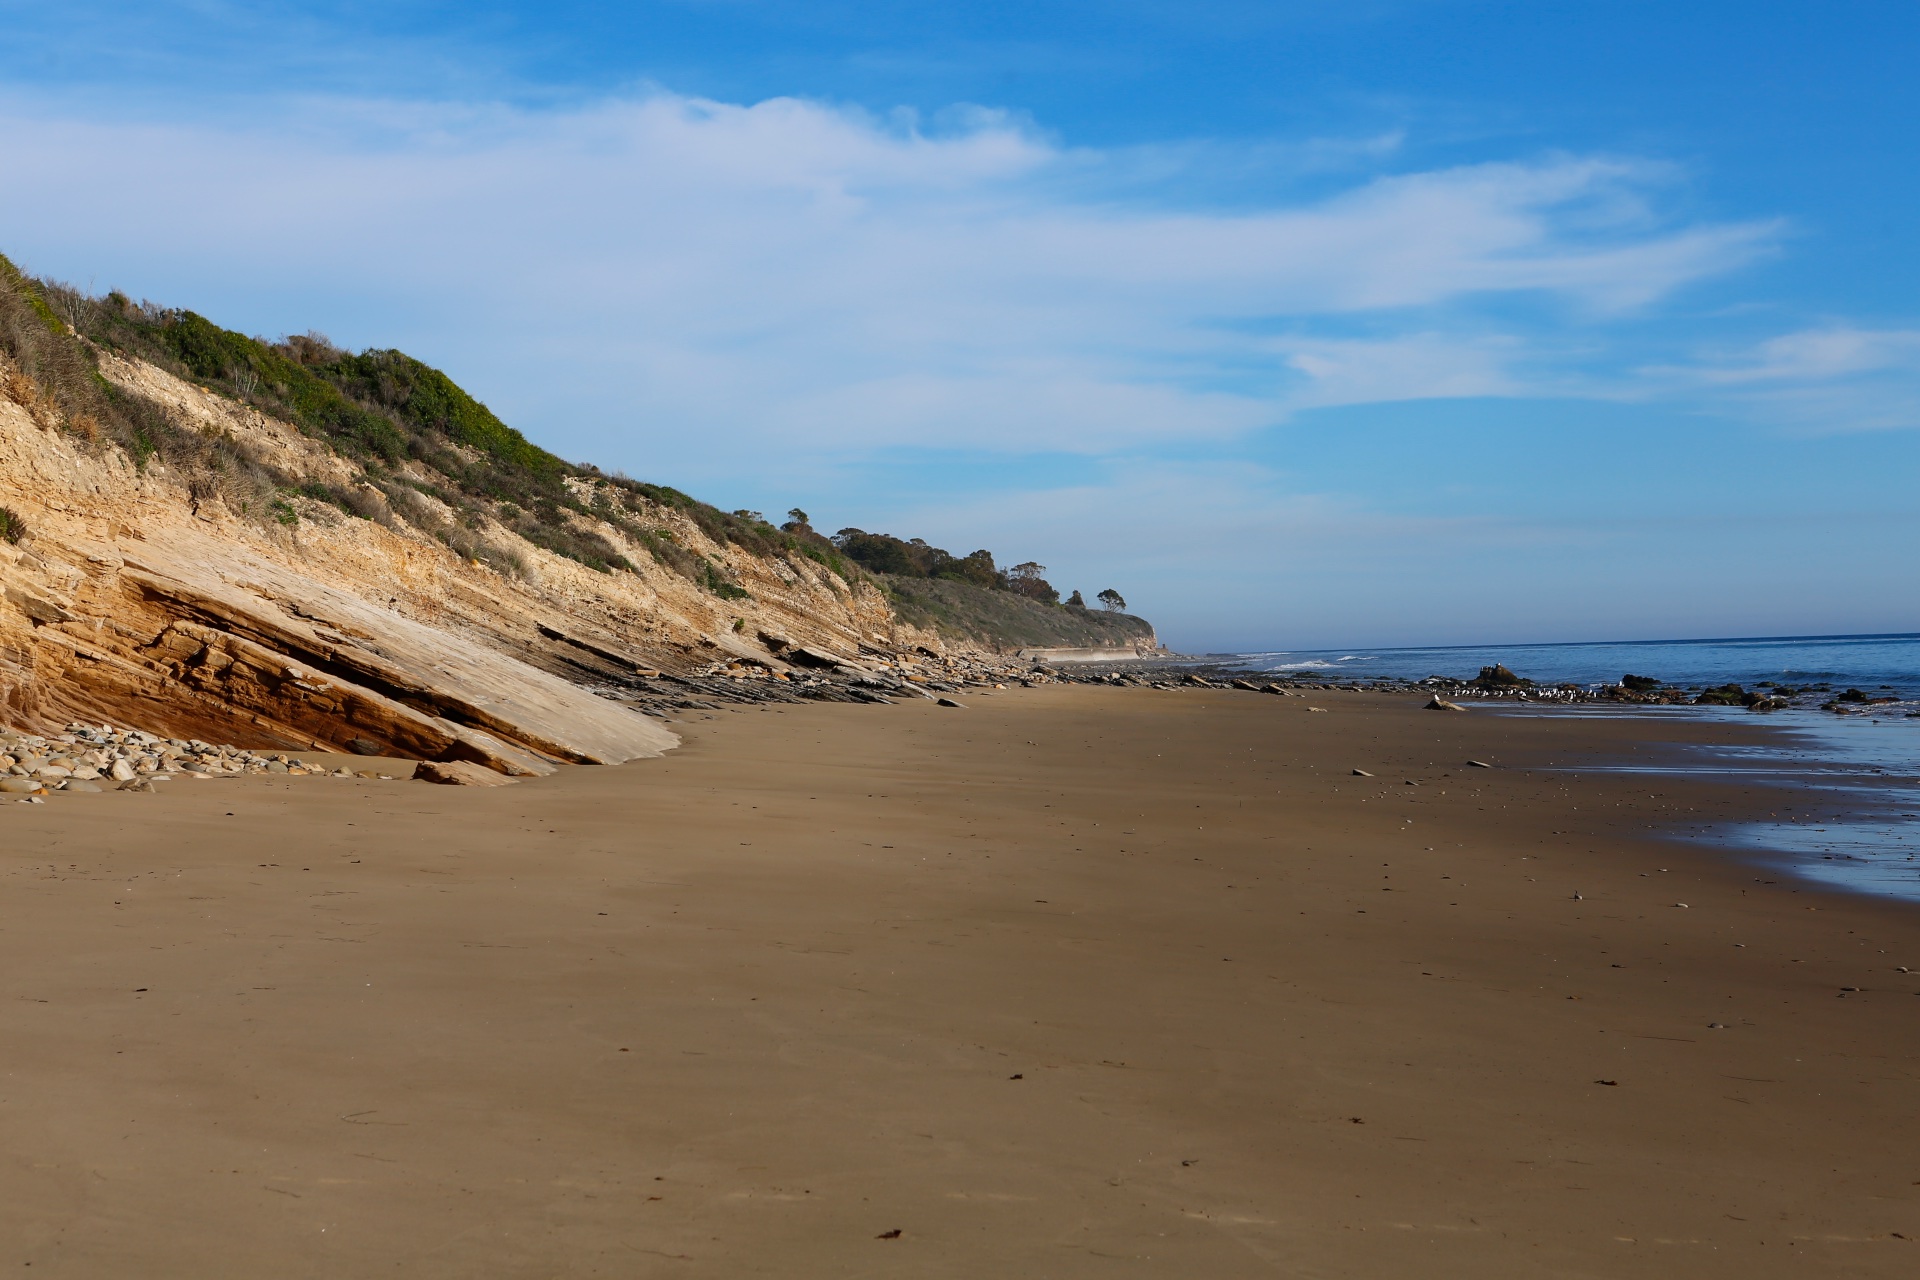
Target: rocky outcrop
1147,648
130,597
457,773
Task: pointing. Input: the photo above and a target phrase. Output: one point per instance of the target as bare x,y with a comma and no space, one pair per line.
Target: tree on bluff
915,558
1111,599
1028,580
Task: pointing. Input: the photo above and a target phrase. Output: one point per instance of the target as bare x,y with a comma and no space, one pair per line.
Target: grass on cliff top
969,612
381,409
56,378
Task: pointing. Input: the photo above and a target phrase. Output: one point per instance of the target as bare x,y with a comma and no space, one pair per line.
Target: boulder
1441,704
21,787
459,773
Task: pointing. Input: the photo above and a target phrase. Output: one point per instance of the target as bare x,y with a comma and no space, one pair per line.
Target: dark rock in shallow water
1640,684
1498,676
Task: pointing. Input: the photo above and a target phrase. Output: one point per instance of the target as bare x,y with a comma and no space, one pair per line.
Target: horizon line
1570,644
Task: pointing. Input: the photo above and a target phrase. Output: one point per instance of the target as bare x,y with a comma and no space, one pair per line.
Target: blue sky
1302,324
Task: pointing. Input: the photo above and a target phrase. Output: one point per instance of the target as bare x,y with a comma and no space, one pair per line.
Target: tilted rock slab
222,645
124,606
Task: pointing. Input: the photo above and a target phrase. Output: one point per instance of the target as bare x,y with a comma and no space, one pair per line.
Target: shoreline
1070,981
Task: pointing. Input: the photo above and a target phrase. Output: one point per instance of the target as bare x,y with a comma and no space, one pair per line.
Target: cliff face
137,596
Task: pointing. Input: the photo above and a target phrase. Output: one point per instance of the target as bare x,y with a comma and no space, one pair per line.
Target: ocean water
1860,773
1872,663
1864,766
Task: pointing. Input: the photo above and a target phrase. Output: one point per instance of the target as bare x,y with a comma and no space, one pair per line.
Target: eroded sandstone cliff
136,595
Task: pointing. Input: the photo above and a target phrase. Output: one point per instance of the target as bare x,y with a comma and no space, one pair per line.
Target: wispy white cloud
1814,355
1826,380
790,270
1415,366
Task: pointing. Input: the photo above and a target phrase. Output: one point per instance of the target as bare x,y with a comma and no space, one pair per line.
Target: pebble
85,758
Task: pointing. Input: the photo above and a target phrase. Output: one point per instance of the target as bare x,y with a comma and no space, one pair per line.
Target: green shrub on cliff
391,415
380,408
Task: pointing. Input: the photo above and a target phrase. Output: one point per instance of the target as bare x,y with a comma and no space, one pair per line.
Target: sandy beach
1069,982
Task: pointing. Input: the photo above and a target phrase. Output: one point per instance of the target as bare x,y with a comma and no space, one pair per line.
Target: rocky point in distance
1495,682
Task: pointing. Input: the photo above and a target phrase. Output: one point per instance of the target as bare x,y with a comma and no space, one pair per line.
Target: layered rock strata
130,599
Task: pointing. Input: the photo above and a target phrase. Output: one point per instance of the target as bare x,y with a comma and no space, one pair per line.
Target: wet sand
1072,982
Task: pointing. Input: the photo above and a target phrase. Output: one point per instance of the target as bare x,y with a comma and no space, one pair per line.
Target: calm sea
1890,662
1865,765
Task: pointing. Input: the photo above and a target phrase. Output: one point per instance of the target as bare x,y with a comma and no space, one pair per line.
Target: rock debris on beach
92,758
103,757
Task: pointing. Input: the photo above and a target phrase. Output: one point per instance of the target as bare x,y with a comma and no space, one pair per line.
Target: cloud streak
788,269
1827,380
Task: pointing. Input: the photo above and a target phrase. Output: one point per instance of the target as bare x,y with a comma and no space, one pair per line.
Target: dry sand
1072,982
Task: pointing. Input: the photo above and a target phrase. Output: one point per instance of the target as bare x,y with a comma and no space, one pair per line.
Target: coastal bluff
127,597
283,545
